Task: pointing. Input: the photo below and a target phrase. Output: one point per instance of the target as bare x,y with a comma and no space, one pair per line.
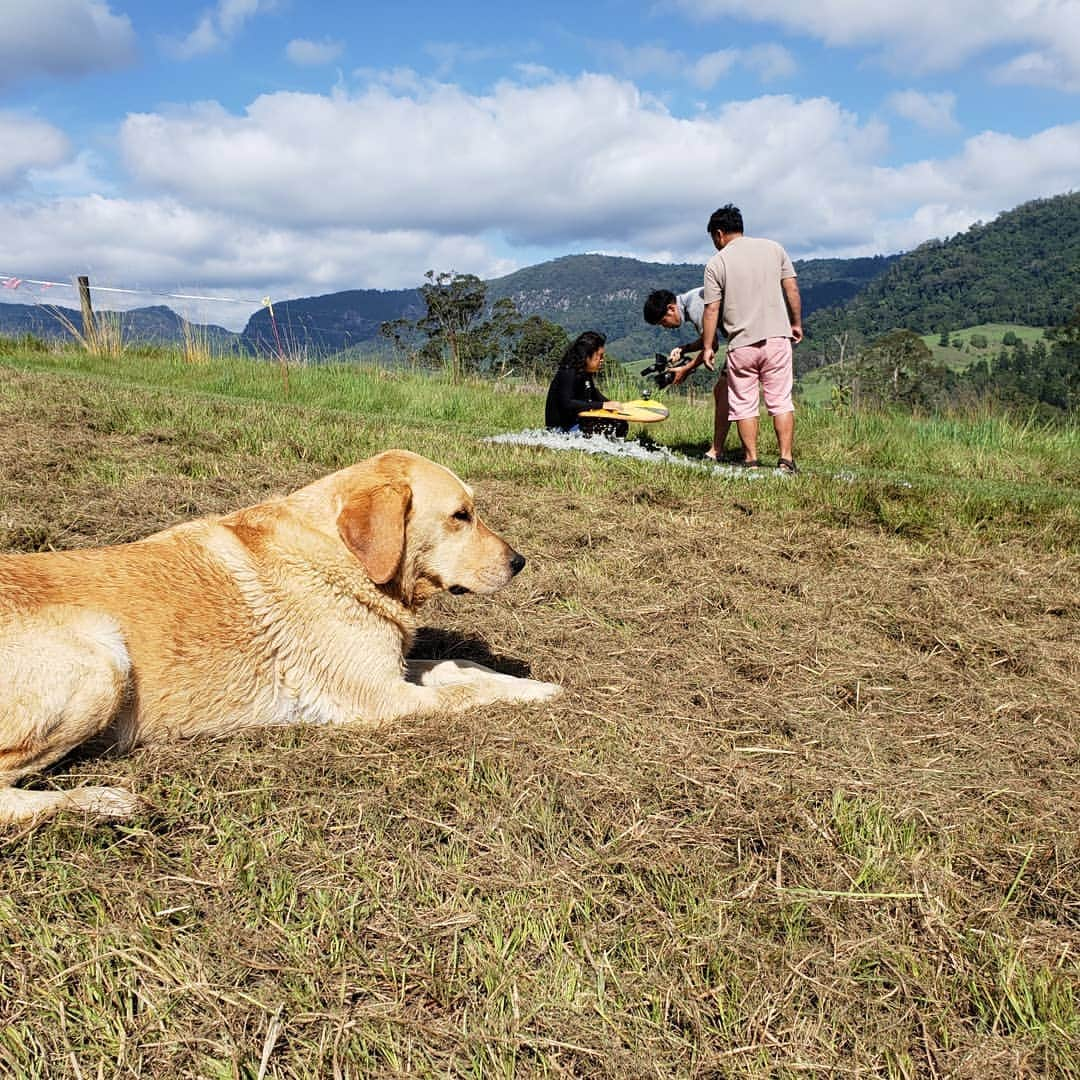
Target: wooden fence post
89,326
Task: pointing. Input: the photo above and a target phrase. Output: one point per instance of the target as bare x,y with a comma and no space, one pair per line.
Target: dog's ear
372,525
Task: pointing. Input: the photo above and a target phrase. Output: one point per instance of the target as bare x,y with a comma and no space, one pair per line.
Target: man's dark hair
728,219
656,305
582,347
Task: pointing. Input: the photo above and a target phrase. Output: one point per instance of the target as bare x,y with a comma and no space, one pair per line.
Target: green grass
921,474
806,809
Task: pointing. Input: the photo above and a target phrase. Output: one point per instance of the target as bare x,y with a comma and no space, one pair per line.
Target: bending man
664,308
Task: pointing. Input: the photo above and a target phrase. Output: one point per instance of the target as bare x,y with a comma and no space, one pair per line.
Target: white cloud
708,70
931,112
769,62
308,193
925,35
160,245
586,164
766,63
991,173
28,144
313,53
588,161
66,38
217,27
1040,69
529,72
74,175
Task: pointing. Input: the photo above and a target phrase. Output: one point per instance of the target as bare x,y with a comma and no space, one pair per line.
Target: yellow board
634,412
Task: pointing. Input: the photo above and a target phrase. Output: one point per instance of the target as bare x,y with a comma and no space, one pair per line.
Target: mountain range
579,292
158,325
1022,267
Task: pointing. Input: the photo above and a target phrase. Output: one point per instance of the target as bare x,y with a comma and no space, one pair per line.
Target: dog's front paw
104,801
534,690
444,672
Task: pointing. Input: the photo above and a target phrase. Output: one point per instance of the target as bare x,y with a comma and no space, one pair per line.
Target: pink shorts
766,364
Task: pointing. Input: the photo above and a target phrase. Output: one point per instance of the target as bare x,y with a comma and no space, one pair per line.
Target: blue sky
296,147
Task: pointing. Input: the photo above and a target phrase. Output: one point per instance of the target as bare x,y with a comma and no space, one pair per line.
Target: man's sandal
787,466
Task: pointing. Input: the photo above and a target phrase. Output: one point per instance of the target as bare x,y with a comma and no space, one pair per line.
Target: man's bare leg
721,423
748,433
784,426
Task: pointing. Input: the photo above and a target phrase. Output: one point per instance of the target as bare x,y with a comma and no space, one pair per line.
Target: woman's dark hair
583,346
727,219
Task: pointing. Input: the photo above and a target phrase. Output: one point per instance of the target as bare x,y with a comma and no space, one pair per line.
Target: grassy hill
966,345
808,806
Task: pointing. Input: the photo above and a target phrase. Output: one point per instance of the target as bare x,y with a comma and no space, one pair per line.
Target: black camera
660,370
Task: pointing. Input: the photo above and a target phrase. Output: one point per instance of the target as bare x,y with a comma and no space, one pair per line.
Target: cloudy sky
297,147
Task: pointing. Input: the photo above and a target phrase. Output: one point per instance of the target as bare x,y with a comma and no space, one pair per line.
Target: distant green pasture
959,358
815,387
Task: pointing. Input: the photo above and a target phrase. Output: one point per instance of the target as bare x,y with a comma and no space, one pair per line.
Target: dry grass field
809,807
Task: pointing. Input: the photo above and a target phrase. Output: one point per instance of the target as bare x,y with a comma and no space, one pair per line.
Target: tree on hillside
539,348
495,337
401,333
897,368
459,331
1066,355
454,304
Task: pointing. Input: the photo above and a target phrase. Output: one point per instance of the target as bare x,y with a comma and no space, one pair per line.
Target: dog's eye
463,515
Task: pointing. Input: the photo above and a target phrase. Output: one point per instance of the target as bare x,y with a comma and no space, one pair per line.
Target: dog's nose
516,563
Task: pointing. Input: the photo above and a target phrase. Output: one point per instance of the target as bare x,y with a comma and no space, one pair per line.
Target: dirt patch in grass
808,807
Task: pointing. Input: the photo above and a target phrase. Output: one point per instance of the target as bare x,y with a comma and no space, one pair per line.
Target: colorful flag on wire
11,282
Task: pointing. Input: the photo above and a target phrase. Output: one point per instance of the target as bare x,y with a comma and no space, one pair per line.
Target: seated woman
574,390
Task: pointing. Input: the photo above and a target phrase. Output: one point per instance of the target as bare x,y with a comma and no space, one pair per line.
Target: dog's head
414,527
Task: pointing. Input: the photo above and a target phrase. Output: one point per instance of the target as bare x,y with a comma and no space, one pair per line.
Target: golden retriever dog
297,610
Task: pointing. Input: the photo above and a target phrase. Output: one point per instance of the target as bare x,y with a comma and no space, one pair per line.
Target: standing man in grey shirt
751,283
664,308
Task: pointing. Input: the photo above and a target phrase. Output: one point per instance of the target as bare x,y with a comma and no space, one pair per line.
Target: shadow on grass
434,644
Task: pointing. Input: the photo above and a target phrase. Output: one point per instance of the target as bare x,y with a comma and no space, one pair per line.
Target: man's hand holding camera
687,368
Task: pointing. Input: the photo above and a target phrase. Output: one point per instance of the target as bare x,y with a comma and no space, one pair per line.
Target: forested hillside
1023,267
